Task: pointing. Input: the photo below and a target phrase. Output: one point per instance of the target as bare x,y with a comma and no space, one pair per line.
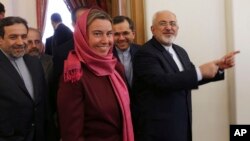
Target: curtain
72,4
41,8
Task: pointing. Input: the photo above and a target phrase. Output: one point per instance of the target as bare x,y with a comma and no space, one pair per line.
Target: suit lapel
181,57
133,49
33,74
12,72
166,55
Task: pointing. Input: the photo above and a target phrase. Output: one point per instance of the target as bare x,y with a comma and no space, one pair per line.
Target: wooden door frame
137,13
135,10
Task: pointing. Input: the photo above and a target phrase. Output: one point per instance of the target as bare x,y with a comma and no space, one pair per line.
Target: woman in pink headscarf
93,100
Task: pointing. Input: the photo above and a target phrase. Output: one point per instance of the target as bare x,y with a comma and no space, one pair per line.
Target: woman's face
100,36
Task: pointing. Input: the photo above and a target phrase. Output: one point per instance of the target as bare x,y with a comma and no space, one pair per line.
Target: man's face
165,28
35,46
14,42
123,35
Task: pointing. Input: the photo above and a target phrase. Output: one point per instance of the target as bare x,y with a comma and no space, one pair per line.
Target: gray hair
160,12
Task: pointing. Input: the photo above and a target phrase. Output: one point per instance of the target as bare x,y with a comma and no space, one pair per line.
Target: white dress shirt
178,62
125,58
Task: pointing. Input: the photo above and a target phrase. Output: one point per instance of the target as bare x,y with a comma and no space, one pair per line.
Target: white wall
241,38
23,8
203,34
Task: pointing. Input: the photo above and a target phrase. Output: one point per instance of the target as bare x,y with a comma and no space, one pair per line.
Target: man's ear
152,29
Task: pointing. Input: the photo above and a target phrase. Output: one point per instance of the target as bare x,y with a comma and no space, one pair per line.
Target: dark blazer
60,54
133,49
63,38
47,64
61,35
21,117
48,45
162,103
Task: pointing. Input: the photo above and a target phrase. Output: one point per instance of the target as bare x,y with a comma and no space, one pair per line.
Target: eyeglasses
125,33
171,23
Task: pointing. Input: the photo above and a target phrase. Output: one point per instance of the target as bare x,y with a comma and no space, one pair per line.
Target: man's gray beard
15,54
170,41
34,52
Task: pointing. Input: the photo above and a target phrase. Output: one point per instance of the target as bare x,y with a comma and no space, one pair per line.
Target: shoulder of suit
151,44
175,46
135,45
46,57
31,59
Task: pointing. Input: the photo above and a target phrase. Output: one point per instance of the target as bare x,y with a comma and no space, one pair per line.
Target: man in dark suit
36,48
163,79
22,88
62,33
62,51
124,50
48,45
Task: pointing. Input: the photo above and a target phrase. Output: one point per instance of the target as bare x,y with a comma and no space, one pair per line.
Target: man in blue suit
124,50
24,115
163,79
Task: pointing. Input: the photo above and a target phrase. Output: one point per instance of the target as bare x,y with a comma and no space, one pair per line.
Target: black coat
48,45
60,54
20,115
61,35
161,106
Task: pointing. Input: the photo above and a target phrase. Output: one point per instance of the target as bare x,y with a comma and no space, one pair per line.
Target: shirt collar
122,52
57,25
168,48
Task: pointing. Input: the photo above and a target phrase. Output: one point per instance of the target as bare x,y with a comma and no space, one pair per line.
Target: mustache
18,47
34,50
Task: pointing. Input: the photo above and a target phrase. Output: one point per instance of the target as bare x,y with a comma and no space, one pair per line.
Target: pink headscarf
100,66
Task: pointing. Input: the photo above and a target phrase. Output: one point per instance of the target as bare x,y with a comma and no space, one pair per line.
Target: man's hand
209,69
227,61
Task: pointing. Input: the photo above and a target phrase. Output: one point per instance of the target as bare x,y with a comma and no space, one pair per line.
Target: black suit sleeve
151,69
